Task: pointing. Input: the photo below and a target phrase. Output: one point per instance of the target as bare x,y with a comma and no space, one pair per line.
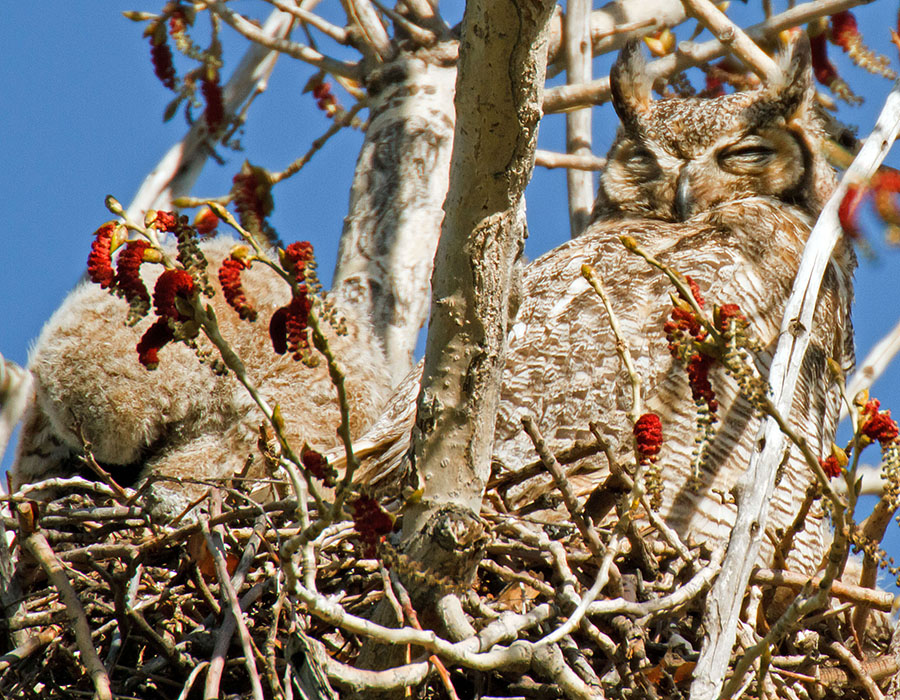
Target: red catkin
128,272
162,220
161,57
823,69
206,222
154,338
371,522
288,327
727,314
698,378
695,291
296,257
99,262
878,426
316,464
214,114
830,466
230,279
844,30
170,284
847,210
648,436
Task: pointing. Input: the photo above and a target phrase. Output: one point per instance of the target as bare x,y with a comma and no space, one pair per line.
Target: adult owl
182,422
725,191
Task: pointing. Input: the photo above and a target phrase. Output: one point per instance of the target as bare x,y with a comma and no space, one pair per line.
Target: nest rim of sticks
167,608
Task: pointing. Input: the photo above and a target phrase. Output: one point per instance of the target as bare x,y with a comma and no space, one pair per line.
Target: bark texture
394,222
498,97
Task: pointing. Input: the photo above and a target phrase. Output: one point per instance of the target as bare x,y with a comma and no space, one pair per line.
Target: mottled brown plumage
726,191
181,421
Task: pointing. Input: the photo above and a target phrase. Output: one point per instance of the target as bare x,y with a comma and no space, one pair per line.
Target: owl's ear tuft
795,91
629,85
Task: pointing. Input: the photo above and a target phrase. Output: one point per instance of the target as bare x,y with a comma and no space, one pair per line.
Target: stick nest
154,609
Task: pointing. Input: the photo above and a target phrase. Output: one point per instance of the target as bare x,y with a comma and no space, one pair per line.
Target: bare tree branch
250,31
339,34
688,55
733,37
578,123
374,42
551,159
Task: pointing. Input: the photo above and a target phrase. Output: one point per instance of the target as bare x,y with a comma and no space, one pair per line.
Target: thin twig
250,31
552,159
339,34
36,544
734,38
622,350
421,36
341,120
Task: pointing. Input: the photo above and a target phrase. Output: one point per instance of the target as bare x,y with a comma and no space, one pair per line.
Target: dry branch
560,99
758,482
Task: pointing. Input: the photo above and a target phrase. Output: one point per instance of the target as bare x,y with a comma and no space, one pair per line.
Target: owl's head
676,158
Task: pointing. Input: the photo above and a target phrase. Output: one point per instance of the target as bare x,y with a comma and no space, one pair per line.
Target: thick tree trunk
498,103
394,222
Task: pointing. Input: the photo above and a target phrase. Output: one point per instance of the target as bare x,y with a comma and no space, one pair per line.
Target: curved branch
247,29
566,97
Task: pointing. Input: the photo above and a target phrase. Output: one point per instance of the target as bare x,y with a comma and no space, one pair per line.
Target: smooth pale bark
499,92
578,123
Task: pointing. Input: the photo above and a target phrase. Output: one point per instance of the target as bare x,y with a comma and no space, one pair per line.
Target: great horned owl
726,191
182,421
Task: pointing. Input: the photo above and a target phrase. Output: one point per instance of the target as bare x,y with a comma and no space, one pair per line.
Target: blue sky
82,118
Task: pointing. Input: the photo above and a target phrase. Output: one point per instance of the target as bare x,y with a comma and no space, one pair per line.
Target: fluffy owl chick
726,191
182,421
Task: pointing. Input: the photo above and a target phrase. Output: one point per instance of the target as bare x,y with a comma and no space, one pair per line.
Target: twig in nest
839,651
845,592
36,545
591,538
214,542
410,613
189,683
31,645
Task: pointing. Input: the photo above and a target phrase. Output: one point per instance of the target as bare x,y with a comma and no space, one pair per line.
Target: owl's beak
684,197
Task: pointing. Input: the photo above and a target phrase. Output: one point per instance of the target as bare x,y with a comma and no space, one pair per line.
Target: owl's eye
642,164
748,157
